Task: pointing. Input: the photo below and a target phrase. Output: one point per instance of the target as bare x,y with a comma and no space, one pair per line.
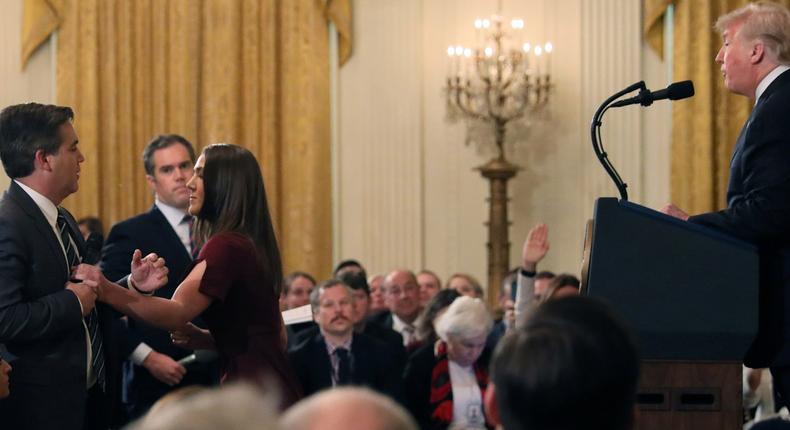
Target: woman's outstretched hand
149,273
192,337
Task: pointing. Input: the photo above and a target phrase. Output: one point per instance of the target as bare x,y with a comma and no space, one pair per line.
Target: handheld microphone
199,356
93,246
676,91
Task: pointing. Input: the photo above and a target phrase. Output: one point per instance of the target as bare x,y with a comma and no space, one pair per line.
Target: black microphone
676,91
93,246
199,356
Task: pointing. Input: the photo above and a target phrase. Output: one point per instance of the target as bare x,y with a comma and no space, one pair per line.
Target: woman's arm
187,302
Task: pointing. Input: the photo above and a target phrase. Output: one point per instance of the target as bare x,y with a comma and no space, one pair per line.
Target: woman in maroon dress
235,281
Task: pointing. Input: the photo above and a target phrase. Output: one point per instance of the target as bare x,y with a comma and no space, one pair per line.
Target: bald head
347,408
402,294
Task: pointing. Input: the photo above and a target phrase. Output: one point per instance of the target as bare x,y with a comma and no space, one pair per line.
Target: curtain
249,72
704,127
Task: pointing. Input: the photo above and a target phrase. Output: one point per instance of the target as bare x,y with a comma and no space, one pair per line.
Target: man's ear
489,403
41,161
758,52
151,182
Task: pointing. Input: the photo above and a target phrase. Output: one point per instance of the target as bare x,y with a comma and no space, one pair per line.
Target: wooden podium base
686,395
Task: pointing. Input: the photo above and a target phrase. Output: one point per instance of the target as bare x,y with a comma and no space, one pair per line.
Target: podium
690,294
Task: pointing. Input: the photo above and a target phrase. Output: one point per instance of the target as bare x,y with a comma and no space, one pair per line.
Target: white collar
398,324
173,215
768,79
48,208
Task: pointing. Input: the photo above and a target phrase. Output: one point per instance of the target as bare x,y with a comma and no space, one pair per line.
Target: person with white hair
445,382
347,408
238,406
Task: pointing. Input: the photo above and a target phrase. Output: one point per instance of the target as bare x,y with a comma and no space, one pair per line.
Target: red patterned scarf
442,389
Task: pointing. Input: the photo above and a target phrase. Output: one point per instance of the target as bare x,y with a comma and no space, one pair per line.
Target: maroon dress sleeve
226,255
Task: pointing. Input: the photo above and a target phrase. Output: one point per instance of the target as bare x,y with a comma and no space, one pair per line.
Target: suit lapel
32,210
323,368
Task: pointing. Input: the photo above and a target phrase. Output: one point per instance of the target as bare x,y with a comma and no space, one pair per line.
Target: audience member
5,369
336,355
235,281
562,285
297,288
430,284
445,381
349,409
152,367
360,301
377,303
234,406
348,266
466,285
574,365
426,325
90,224
402,295
542,282
535,247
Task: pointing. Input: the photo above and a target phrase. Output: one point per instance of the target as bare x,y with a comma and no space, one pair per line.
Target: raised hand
149,273
535,246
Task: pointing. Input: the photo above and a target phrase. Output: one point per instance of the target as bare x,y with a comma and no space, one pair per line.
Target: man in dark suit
63,369
335,355
152,369
402,296
754,59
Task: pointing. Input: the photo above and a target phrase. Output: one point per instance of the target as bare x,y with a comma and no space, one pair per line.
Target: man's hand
86,294
193,337
164,368
674,211
90,276
535,247
149,273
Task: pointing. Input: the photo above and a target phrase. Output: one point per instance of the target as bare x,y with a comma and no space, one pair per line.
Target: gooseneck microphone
676,91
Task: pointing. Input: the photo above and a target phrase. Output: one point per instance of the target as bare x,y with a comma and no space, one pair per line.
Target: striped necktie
92,319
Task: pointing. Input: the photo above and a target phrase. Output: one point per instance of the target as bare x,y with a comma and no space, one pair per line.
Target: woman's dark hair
426,332
235,201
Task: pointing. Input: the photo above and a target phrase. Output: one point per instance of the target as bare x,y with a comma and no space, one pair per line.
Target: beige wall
407,193
37,81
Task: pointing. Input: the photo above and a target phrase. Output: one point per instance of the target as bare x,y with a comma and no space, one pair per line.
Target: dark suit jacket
387,336
758,210
371,365
150,232
41,322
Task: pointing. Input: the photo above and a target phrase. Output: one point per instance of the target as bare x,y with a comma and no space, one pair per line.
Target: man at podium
754,59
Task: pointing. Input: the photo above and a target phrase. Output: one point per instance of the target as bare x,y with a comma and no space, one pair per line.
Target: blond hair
765,21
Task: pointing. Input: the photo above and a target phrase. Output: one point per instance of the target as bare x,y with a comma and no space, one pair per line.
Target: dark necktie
192,248
343,366
92,319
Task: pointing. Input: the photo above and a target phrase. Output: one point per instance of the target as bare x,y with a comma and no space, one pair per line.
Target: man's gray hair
766,21
315,295
465,318
233,406
350,408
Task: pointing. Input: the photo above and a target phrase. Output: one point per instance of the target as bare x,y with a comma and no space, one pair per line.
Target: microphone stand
595,134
